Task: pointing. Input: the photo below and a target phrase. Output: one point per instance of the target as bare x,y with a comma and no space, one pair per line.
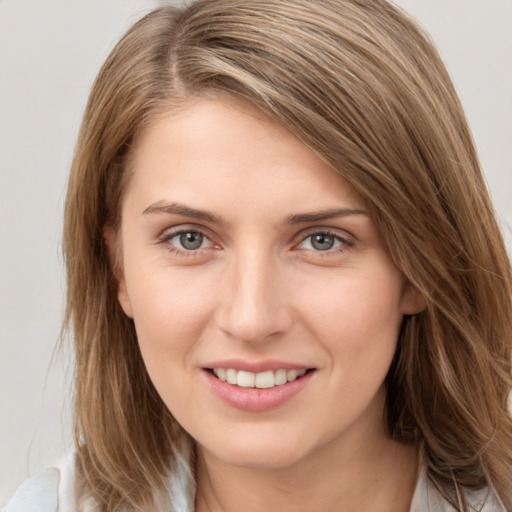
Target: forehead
225,152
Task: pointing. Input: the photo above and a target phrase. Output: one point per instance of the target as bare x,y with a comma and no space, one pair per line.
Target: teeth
291,375
262,380
231,375
265,380
280,377
245,379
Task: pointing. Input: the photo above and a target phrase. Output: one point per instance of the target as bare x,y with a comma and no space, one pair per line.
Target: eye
188,240
323,241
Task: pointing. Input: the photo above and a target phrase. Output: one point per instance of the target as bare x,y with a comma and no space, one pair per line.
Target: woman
285,280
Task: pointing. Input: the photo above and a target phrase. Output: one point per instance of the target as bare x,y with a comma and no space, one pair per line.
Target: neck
377,475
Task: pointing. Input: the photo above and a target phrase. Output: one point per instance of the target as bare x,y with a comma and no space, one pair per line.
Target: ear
413,301
114,253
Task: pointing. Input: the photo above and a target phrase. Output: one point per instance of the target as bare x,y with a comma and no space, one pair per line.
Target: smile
257,391
262,380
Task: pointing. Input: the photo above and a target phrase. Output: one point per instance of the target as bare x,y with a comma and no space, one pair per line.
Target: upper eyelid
167,234
336,232
184,228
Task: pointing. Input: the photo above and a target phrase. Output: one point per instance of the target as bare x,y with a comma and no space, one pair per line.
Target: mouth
269,386
262,380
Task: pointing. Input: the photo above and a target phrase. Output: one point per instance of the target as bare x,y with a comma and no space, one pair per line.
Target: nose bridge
254,305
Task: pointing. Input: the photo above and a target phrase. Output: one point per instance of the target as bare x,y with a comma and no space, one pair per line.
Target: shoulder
51,490
428,498
37,493
59,489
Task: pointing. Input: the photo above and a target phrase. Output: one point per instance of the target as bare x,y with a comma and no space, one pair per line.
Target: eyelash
345,241
166,238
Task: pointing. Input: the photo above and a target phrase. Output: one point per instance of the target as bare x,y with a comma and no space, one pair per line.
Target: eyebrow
299,218
184,211
163,207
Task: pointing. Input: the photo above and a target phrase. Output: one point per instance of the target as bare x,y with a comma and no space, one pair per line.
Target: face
266,306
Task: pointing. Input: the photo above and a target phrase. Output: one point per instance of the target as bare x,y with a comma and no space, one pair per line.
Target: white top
54,490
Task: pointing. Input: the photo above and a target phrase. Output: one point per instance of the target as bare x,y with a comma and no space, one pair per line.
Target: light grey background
49,54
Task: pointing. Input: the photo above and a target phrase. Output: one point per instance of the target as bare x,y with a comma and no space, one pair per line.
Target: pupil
322,242
191,240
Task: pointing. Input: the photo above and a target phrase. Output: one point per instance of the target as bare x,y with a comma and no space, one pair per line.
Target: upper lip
256,366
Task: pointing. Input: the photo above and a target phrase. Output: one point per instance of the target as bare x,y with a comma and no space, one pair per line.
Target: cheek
356,304
170,311
357,320
170,316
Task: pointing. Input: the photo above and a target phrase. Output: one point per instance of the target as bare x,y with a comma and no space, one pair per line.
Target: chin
259,453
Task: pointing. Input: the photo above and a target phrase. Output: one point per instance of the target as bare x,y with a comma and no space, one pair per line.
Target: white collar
181,486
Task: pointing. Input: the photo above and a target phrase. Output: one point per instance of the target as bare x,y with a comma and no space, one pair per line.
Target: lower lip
256,399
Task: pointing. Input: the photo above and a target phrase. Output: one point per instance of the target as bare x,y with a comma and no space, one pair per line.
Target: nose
254,306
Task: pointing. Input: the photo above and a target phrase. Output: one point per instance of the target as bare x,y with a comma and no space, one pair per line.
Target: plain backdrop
50,52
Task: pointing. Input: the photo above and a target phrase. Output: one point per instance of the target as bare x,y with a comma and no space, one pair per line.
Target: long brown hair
361,85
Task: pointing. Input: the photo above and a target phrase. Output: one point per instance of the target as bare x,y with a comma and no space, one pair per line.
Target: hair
361,85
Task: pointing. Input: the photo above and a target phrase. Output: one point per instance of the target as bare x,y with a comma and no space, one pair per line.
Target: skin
258,289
